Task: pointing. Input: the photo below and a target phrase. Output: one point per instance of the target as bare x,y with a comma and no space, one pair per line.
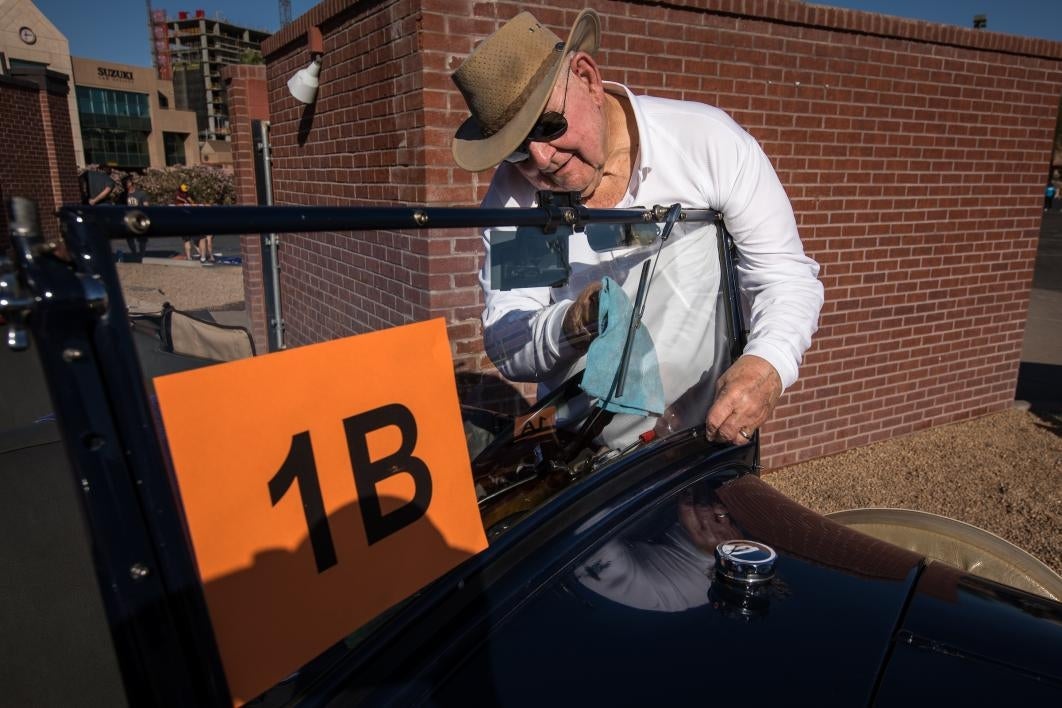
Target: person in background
135,197
542,114
1049,196
205,247
97,185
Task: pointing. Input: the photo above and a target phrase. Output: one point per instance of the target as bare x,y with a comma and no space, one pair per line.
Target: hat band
517,103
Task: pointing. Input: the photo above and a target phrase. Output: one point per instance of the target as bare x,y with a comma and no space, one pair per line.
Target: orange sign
321,486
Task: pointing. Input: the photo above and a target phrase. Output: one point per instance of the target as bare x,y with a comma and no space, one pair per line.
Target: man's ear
585,68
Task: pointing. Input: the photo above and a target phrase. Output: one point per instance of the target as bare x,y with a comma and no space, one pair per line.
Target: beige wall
142,79
50,47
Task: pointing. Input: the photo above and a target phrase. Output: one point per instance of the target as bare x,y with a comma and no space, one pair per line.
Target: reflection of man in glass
542,114
666,574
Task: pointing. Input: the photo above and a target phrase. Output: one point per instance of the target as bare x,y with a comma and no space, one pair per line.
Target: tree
206,184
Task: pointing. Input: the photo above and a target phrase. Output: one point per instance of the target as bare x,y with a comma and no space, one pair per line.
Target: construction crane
151,35
285,13
158,36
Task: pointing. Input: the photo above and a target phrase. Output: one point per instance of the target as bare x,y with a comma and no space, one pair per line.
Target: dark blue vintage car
627,562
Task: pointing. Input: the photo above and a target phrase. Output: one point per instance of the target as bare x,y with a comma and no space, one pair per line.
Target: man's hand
580,321
707,525
745,395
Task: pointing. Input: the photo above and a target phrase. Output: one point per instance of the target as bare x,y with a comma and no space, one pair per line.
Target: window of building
174,146
114,126
101,103
115,147
24,64
163,101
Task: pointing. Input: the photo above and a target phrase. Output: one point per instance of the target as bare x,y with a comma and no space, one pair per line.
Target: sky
117,30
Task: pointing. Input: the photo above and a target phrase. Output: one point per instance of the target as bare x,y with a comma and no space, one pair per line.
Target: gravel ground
1002,472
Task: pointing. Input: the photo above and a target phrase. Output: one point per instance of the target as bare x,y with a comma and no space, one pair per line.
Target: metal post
150,588
270,241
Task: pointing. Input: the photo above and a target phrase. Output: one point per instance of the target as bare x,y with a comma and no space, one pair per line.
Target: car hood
599,598
823,629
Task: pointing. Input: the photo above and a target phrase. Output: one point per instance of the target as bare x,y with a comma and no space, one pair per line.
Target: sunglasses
549,126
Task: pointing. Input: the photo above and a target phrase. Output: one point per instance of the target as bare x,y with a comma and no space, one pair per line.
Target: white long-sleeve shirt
695,155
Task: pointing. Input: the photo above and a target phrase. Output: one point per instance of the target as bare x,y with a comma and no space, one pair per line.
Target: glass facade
114,126
173,144
25,64
189,94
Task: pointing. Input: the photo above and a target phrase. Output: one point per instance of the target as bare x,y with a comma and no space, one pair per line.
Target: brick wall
914,155
245,87
62,165
37,150
359,144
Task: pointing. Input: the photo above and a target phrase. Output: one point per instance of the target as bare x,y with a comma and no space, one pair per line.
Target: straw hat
507,81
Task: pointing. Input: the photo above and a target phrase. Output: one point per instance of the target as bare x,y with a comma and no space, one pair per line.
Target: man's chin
561,186
572,183
562,181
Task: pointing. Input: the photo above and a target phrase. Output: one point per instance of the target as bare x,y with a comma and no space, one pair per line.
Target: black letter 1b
368,473
300,465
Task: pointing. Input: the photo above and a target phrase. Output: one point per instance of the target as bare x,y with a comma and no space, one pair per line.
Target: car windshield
669,325
576,421
262,504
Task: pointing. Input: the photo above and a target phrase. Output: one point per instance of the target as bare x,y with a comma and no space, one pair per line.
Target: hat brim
475,152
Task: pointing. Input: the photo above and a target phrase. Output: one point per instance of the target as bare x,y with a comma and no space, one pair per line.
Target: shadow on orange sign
321,486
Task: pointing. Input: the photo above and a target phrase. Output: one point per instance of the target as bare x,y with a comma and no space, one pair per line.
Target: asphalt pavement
168,247
1040,373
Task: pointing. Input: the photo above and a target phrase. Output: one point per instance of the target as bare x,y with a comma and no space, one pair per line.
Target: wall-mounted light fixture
303,85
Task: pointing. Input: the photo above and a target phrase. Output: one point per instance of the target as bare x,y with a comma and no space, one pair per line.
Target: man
97,185
543,115
205,247
663,572
135,197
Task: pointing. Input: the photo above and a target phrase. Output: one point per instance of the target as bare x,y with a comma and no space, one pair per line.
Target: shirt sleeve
779,283
521,328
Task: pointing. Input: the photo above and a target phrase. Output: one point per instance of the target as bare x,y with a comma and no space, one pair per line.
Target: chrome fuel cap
745,562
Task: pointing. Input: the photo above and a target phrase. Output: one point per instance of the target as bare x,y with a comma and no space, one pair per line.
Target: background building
216,152
128,117
29,39
198,48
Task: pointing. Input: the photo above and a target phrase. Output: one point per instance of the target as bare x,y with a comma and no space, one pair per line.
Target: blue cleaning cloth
643,391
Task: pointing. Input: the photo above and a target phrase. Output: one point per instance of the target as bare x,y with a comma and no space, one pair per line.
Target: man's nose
540,154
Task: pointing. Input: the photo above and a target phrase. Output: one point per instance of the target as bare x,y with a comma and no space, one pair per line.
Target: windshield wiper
599,418
648,268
